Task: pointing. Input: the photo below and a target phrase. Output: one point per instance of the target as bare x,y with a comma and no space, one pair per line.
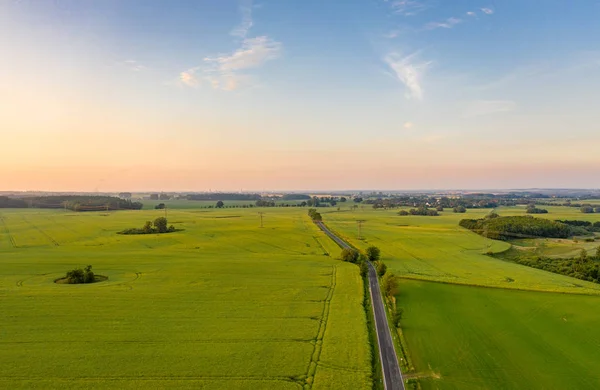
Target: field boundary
318,347
503,288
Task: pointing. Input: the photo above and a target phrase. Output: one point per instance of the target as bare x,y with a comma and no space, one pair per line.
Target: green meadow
465,337
220,304
476,322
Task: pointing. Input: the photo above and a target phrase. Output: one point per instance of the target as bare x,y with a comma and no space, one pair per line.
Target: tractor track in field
318,341
10,237
43,233
392,376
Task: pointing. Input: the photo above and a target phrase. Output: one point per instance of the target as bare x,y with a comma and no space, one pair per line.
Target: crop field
437,249
220,304
532,330
481,338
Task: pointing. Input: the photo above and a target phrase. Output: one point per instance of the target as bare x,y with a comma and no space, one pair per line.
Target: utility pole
261,218
359,225
165,211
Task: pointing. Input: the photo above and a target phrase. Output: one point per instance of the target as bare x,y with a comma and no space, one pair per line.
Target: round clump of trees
81,276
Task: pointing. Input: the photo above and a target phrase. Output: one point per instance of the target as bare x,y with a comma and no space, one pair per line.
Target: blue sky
299,94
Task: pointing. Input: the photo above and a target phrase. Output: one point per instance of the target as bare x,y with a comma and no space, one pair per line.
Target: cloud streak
407,7
408,72
241,31
487,11
448,23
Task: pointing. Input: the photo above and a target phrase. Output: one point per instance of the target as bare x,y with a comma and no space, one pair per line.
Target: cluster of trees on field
531,209
159,196
423,210
507,228
471,201
589,209
159,226
314,215
81,275
223,196
584,267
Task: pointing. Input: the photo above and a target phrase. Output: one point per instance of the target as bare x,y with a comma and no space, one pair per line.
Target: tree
160,224
79,275
583,256
148,227
492,215
364,268
220,204
343,199
160,206
587,209
373,253
358,200
440,208
460,209
350,255
390,284
403,212
381,268
598,253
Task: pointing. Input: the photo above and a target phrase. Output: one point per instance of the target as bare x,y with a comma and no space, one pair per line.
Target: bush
397,316
381,268
459,209
403,212
349,255
364,268
390,284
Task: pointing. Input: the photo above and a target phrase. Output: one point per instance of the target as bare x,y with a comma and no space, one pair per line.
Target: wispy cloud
487,107
225,71
134,65
244,27
408,72
471,13
228,71
487,11
448,23
189,78
407,7
391,34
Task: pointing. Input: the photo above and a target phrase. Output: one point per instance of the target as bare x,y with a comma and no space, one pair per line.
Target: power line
359,224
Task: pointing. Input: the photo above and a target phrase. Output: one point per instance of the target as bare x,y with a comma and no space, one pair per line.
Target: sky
229,95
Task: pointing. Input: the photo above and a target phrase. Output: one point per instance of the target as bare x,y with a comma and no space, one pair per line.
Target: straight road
392,377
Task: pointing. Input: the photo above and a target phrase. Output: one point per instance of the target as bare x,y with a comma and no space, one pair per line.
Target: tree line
584,266
507,228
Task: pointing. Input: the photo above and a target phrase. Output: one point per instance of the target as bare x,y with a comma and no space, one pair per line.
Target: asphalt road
389,361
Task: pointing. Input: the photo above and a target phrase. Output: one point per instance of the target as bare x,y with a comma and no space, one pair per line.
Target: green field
481,338
221,304
437,249
461,334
